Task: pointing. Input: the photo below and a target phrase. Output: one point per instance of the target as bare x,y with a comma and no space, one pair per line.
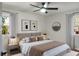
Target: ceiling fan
44,7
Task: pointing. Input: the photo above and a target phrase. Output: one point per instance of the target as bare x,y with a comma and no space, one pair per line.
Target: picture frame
25,25
34,25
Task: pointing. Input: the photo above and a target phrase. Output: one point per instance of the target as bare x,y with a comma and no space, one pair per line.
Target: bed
45,48
27,49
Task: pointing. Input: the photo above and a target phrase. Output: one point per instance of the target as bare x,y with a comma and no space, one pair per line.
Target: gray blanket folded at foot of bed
40,49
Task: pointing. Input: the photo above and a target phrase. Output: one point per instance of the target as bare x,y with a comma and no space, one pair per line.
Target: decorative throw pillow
27,39
44,37
39,38
33,38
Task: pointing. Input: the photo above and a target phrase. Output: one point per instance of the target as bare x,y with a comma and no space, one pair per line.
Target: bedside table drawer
13,49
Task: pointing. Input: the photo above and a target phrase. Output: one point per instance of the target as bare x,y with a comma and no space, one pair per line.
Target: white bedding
71,53
25,48
56,50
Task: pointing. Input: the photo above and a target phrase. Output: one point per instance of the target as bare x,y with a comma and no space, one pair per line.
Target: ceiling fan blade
51,8
37,10
35,6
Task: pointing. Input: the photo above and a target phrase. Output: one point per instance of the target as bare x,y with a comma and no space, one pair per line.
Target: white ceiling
25,6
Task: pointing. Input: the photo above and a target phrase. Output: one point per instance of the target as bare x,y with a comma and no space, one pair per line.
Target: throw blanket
40,49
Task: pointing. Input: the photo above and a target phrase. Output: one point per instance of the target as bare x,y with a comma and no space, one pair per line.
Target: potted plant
4,27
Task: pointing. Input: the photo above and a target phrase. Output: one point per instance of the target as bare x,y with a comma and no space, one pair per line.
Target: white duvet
25,48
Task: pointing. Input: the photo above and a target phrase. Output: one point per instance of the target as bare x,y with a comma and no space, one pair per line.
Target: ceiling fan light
43,10
45,5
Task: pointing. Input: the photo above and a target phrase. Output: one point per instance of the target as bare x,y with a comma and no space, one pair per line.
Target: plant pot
4,42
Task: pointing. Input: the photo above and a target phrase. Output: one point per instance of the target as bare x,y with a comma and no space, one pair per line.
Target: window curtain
13,24
69,30
0,27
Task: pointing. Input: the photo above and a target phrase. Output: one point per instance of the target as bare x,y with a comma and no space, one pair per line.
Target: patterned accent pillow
39,38
33,38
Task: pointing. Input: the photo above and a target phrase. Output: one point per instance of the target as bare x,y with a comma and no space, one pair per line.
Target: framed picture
25,25
34,25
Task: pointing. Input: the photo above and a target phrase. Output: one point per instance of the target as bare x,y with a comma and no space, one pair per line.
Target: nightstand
13,49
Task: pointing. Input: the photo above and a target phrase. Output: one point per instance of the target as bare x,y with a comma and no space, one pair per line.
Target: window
76,24
5,23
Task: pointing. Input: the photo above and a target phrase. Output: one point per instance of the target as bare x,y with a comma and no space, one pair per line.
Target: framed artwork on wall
34,25
25,25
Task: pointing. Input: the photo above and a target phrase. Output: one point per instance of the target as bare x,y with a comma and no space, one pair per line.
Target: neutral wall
19,15
59,35
15,22
30,16
45,24
65,34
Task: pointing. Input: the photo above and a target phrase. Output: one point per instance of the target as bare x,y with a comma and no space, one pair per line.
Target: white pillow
26,39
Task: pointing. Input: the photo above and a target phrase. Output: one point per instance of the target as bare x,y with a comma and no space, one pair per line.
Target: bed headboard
23,35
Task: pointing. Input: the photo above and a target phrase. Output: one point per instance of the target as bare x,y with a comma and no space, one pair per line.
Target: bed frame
23,35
